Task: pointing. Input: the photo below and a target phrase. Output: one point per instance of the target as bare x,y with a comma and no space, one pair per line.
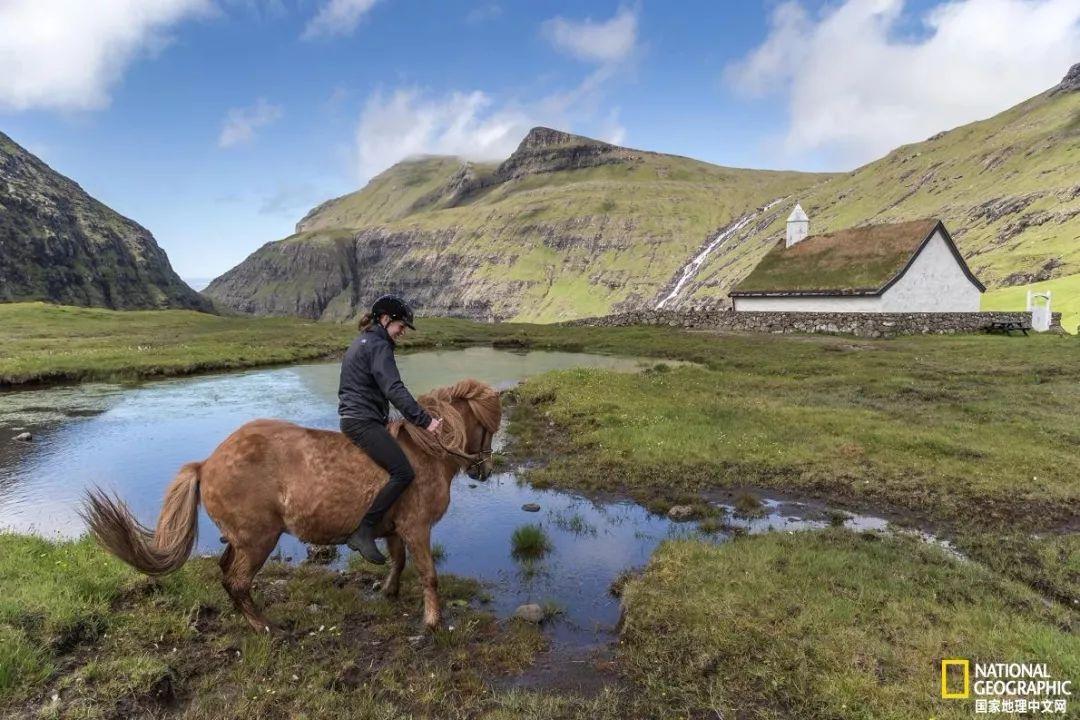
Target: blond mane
483,402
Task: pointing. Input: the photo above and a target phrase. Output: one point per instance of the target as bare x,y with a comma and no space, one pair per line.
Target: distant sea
197,283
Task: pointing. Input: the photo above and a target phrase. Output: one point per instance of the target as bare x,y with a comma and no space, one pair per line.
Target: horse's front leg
392,584
419,542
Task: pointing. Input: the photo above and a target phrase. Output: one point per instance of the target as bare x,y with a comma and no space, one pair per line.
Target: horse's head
470,421
481,412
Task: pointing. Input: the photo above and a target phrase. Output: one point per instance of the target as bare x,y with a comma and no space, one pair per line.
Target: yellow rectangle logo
945,664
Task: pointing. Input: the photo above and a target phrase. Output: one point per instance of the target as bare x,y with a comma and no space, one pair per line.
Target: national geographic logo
1005,687
959,667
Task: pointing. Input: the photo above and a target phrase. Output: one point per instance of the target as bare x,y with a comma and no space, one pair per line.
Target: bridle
475,459
480,455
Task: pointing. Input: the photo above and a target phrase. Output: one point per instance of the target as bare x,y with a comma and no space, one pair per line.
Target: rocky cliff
59,244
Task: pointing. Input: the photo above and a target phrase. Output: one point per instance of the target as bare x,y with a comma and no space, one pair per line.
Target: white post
1040,314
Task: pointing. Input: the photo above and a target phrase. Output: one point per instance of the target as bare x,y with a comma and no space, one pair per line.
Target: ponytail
365,321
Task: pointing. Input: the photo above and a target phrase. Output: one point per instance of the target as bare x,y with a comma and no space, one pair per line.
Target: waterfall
691,268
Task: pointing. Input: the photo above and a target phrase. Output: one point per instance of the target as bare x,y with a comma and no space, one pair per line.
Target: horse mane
483,401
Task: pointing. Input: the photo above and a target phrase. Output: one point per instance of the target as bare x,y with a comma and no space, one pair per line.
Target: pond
132,439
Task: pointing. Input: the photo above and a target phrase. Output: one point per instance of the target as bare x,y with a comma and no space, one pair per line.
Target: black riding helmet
395,307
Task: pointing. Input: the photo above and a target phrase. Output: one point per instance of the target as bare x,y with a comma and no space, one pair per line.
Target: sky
218,124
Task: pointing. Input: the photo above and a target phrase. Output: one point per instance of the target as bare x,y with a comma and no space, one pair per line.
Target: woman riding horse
369,383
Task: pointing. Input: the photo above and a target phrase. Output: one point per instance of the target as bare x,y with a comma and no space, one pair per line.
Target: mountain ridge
60,244
569,226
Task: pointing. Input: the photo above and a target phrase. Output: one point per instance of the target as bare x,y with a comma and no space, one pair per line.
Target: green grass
943,428
51,343
1049,562
110,643
1065,299
829,624
530,542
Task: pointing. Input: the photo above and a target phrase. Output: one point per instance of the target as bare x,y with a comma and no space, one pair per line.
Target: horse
271,477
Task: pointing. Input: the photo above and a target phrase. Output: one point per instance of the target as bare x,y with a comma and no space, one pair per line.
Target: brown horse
270,477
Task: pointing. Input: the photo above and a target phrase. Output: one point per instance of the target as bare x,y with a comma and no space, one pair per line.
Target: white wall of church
858,303
934,283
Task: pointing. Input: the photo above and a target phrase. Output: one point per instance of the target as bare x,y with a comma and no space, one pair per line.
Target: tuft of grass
530,542
837,518
748,506
438,553
574,523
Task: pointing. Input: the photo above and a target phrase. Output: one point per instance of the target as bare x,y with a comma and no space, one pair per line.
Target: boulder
530,613
24,437
681,512
531,507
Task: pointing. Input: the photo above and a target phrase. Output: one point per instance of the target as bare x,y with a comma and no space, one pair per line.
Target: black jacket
370,379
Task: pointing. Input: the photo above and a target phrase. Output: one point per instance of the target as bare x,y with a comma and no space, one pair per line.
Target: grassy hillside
1065,298
566,227
1008,189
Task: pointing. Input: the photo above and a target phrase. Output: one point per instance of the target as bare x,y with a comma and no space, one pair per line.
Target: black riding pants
374,439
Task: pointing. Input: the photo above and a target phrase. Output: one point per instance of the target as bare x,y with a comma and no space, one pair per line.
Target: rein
474,459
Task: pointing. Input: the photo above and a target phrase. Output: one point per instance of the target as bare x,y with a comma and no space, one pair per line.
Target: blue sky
218,123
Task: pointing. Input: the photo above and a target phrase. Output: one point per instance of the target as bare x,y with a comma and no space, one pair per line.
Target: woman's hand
434,425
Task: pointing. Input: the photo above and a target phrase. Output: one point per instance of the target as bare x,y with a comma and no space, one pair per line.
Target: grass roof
855,260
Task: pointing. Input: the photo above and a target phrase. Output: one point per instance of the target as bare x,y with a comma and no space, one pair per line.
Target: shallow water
131,440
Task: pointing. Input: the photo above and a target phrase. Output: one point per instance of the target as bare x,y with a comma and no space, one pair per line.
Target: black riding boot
363,538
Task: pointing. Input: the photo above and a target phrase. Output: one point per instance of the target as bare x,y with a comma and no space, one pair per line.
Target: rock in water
681,512
24,437
530,613
530,507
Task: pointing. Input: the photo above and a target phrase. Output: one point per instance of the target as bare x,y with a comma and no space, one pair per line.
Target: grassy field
824,624
974,435
978,429
58,343
829,624
107,643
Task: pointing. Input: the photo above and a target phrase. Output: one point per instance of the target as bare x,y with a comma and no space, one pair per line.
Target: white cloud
241,123
609,41
68,54
406,123
483,12
337,17
856,89
409,121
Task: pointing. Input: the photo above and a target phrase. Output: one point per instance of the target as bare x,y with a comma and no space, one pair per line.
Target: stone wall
858,324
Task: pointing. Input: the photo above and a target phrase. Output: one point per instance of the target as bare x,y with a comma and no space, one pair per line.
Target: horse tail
155,552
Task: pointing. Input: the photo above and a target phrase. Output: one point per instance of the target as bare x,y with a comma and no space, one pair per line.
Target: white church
895,267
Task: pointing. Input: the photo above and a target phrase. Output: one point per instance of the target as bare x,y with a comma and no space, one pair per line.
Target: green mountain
565,227
569,227
59,244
